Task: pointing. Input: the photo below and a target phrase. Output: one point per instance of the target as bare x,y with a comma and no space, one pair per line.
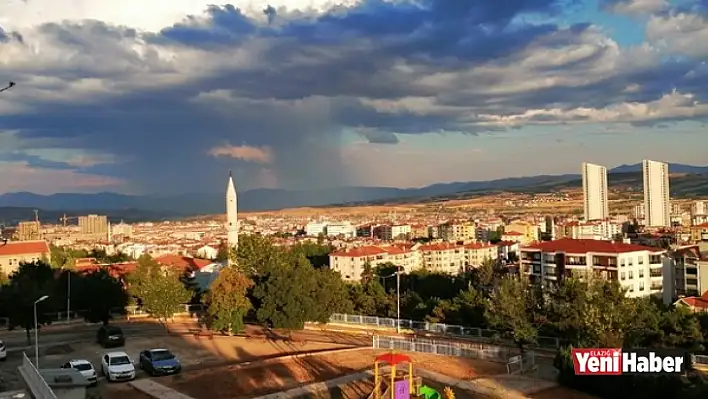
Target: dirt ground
243,382
560,393
123,391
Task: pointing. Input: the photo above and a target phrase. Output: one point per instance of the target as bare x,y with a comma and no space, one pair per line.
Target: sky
167,96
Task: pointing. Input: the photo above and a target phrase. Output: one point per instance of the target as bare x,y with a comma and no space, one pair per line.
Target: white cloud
670,106
679,33
244,152
639,7
144,15
45,181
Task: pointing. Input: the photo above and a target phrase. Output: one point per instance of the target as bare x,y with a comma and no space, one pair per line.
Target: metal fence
700,359
479,351
39,387
437,328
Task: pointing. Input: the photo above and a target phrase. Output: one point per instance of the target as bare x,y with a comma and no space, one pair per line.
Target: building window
622,276
641,286
629,262
631,275
641,273
640,260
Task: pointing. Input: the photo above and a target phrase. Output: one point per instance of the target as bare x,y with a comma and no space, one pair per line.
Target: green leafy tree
160,291
316,254
29,283
99,294
512,309
227,301
4,279
468,308
331,295
223,252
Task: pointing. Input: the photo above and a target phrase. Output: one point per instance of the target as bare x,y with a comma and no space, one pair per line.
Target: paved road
17,340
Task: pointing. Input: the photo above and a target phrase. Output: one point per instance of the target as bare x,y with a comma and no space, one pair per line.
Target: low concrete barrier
34,380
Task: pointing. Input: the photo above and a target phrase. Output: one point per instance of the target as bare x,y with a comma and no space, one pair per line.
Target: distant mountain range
168,206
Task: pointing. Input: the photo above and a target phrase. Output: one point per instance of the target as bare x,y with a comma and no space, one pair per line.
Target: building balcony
656,286
655,273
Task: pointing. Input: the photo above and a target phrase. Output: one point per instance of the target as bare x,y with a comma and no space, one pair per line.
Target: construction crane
66,219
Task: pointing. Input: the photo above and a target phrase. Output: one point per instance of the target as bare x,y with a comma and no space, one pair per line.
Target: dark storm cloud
33,161
303,82
379,137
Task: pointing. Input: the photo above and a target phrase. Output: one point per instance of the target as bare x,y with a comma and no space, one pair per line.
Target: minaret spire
231,216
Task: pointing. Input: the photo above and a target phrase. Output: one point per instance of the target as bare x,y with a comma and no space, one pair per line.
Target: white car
117,366
3,351
84,367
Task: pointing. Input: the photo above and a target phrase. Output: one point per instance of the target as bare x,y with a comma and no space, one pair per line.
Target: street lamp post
398,301
36,332
68,294
397,274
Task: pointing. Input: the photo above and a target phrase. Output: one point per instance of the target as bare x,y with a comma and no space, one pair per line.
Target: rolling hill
686,180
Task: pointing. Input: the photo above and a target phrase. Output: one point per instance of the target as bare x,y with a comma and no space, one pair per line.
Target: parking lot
193,353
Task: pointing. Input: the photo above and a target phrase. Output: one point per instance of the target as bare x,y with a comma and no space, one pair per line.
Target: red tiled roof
512,233
696,302
506,243
439,247
115,270
183,262
23,248
360,252
569,245
478,245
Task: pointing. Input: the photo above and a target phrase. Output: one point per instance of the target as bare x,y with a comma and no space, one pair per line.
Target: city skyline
153,98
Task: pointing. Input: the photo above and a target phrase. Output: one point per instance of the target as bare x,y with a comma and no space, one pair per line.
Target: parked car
84,367
117,366
3,351
110,336
159,362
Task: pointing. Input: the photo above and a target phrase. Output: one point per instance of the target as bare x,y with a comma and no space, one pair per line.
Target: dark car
110,336
159,362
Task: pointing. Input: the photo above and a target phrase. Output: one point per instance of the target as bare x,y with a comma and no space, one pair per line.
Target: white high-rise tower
657,205
231,215
595,192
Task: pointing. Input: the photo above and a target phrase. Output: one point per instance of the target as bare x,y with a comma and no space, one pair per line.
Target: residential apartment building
12,253
643,271
657,204
94,227
389,232
350,263
457,231
690,271
699,233
594,230
529,231
441,257
596,206
28,231
420,231
699,208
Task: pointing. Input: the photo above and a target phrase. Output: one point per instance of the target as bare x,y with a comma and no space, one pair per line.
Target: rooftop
23,247
573,246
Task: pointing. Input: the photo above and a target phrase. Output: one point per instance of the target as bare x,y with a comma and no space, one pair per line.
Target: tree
512,309
29,283
223,252
159,291
99,294
227,301
283,290
317,254
331,295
